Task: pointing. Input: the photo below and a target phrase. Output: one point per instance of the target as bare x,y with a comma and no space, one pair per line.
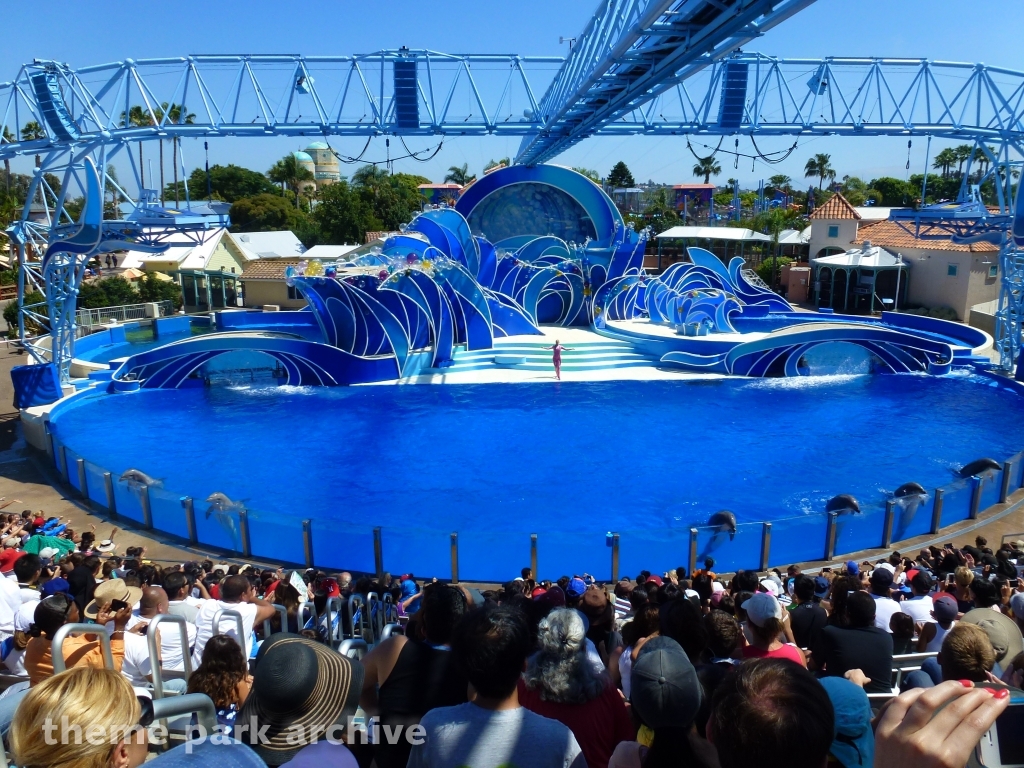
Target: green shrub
772,266
11,315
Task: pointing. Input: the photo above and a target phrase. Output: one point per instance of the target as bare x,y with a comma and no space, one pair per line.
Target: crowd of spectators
697,669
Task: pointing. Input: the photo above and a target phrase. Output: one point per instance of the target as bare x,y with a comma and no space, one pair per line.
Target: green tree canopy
619,176
265,213
341,214
591,174
707,167
894,192
820,167
291,173
228,182
459,175
108,292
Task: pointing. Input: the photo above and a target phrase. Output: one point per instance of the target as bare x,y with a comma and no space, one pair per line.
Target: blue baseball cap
575,588
56,587
852,569
854,743
821,586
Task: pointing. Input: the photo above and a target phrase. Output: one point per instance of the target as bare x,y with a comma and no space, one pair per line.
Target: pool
568,462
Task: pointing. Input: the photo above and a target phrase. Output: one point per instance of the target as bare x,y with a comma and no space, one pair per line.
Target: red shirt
787,651
599,725
7,558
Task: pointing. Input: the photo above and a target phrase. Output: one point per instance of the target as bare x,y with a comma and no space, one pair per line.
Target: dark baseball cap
665,690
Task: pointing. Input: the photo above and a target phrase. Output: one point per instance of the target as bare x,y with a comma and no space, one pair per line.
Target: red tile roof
837,207
889,234
267,269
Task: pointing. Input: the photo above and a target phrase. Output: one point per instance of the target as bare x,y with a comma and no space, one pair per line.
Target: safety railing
489,555
156,644
87,318
66,631
227,613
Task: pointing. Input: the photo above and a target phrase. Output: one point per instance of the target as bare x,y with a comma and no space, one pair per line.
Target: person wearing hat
853,745
666,698
881,590
764,626
944,613
1002,631
859,645
807,617
491,645
562,684
574,591
302,692
600,614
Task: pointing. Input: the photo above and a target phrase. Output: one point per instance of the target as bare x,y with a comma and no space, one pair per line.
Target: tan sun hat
106,591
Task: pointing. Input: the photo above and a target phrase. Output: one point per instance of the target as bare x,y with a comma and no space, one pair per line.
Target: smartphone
1003,745
826,570
118,605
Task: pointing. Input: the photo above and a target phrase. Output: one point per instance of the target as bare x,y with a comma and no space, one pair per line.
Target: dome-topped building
325,165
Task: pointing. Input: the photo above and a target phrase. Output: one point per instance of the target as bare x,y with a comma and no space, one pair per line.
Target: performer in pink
556,357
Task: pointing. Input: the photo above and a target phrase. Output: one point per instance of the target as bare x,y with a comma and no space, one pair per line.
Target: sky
90,32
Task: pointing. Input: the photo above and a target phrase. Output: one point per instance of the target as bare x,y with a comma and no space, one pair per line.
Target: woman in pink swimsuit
556,357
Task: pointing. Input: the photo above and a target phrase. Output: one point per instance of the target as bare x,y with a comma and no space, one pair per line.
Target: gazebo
725,235
859,278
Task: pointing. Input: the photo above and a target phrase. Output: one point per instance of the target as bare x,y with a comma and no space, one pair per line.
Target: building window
993,271
951,270
293,293
833,230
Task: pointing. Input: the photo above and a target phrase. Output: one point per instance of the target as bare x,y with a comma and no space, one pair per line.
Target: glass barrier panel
168,512
423,553
499,556
96,484
956,503
863,531
129,500
646,549
798,539
573,553
990,488
72,459
215,528
912,517
1017,477
276,537
340,546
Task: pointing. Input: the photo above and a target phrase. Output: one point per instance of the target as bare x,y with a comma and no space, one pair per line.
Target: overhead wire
388,161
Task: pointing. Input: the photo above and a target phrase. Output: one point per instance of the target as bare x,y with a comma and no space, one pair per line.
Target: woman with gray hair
561,683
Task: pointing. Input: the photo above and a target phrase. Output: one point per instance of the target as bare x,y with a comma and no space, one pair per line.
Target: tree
659,213
32,131
7,138
389,200
265,213
620,177
819,166
944,161
593,175
963,154
772,222
340,214
780,181
138,117
179,115
894,192
503,163
707,167
152,288
459,175
291,173
227,182
108,292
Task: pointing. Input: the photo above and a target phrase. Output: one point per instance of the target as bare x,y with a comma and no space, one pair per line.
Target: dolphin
909,497
724,524
136,479
910,489
843,504
980,468
224,510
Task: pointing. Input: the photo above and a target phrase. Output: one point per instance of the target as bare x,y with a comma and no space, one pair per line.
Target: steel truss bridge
640,67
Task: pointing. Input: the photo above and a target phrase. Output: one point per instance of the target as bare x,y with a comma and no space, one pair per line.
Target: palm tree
179,115
138,117
289,172
963,153
944,161
821,166
504,162
460,176
707,167
32,131
780,181
7,138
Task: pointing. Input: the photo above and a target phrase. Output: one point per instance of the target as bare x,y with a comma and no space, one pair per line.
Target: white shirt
205,629
919,608
188,608
885,607
137,666
10,602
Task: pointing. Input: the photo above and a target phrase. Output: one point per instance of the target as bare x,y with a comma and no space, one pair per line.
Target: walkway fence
497,555
87,318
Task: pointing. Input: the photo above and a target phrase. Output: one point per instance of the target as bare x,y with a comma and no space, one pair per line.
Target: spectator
410,597
858,645
919,607
13,648
668,697
944,613
644,624
300,685
83,699
491,645
880,584
963,577
853,745
28,570
683,622
901,627
764,628
237,594
1002,631
224,677
984,594
562,684
771,713
11,553
405,678
807,617
179,601
1004,567
82,581
138,667
966,654
288,596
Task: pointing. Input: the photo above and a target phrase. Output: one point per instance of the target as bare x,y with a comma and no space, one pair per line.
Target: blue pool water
627,454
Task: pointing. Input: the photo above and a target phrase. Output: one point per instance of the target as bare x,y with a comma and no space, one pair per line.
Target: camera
1003,745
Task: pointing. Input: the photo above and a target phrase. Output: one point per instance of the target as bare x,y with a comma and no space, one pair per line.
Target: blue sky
90,32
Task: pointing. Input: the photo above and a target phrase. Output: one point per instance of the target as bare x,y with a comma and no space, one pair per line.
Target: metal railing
57,645
87,318
156,647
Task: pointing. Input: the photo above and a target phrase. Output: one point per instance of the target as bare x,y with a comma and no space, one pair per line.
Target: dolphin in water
136,479
909,497
843,504
224,510
724,524
981,468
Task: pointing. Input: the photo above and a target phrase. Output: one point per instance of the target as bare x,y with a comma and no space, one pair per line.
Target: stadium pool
569,462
